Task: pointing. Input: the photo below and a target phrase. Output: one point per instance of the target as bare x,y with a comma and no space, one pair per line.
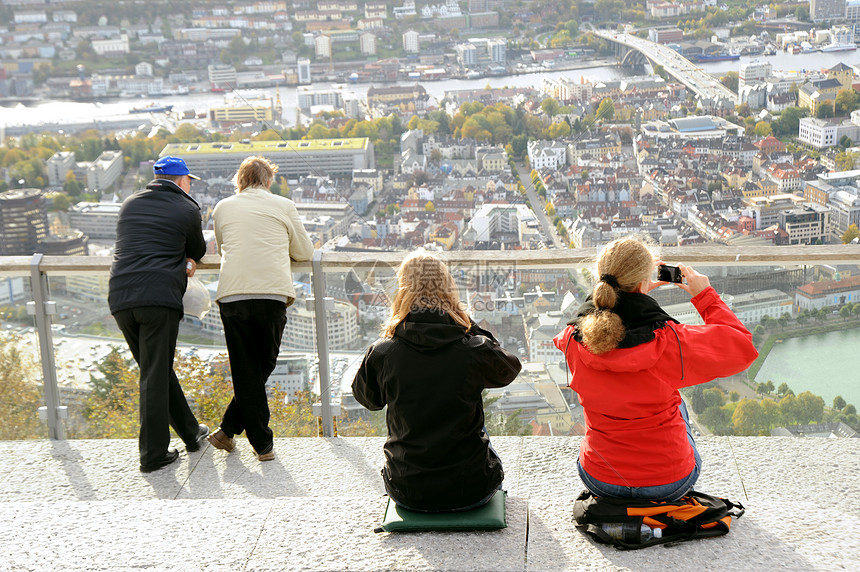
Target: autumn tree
763,129
20,395
850,233
730,80
846,102
606,109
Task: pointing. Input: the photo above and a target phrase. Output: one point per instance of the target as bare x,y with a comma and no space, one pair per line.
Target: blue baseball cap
172,166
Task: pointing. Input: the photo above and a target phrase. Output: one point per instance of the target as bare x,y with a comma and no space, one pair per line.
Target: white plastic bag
196,301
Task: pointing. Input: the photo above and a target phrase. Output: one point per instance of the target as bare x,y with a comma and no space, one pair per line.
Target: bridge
632,50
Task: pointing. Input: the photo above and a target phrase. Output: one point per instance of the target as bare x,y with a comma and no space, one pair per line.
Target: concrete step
83,505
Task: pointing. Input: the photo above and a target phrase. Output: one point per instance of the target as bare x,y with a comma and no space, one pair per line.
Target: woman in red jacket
628,358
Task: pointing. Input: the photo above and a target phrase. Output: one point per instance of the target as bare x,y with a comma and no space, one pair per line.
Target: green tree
839,403
846,102
748,418
824,110
810,407
718,420
845,161
730,80
550,107
763,129
758,334
661,71
606,109
714,397
734,396
782,390
788,122
500,424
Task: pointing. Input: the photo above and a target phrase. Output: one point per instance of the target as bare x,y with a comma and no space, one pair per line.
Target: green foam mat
490,516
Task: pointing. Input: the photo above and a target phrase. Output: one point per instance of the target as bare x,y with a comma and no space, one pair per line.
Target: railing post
42,309
322,343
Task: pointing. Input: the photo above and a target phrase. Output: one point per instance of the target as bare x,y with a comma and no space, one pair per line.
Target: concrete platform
83,505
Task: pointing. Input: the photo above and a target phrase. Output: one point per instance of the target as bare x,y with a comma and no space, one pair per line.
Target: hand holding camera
695,282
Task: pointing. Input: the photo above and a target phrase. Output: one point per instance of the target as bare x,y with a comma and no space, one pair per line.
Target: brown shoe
220,440
270,456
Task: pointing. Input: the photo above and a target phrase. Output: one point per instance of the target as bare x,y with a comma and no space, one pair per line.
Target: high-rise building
303,67
410,41
322,46
753,72
23,221
58,165
104,171
367,42
824,10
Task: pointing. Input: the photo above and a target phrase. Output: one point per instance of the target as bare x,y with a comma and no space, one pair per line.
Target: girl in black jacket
430,368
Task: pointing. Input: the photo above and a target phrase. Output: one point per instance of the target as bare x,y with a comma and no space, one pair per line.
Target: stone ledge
83,505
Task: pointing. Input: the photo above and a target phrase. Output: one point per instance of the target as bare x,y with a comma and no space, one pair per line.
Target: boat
152,108
721,57
839,47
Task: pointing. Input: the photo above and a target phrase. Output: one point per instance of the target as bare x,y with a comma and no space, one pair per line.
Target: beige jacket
258,233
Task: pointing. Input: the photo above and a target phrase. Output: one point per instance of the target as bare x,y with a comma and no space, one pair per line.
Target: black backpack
696,515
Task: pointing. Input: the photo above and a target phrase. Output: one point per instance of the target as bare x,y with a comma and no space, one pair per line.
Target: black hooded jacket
158,228
431,375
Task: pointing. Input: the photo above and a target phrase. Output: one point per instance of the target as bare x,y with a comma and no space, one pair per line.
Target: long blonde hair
621,266
424,283
255,171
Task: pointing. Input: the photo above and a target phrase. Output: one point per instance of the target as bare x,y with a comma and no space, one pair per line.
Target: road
688,73
538,206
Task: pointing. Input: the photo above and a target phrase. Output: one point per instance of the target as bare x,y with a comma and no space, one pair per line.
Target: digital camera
667,273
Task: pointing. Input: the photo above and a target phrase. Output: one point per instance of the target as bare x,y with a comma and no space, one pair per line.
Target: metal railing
40,267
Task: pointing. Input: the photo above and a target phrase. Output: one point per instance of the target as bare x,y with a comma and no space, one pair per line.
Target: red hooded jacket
635,434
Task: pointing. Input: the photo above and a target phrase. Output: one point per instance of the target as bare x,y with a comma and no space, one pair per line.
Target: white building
291,374
411,42
322,46
823,133
111,46
342,326
564,89
96,220
752,307
492,220
467,54
58,165
104,171
367,44
550,155
143,69
222,75
754,72
497,50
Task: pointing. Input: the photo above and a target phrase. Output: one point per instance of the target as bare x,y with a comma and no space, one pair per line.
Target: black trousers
151,335
253,330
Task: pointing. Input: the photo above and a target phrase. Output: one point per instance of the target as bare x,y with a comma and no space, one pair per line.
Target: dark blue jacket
158,228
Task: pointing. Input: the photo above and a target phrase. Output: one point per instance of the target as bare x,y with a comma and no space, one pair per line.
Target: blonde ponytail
622,265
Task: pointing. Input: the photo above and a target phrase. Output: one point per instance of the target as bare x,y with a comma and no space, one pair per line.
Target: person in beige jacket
258,234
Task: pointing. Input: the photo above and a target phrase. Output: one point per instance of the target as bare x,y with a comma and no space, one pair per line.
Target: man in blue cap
158,243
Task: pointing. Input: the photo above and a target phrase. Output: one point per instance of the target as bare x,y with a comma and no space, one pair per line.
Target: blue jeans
670,492
480,503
